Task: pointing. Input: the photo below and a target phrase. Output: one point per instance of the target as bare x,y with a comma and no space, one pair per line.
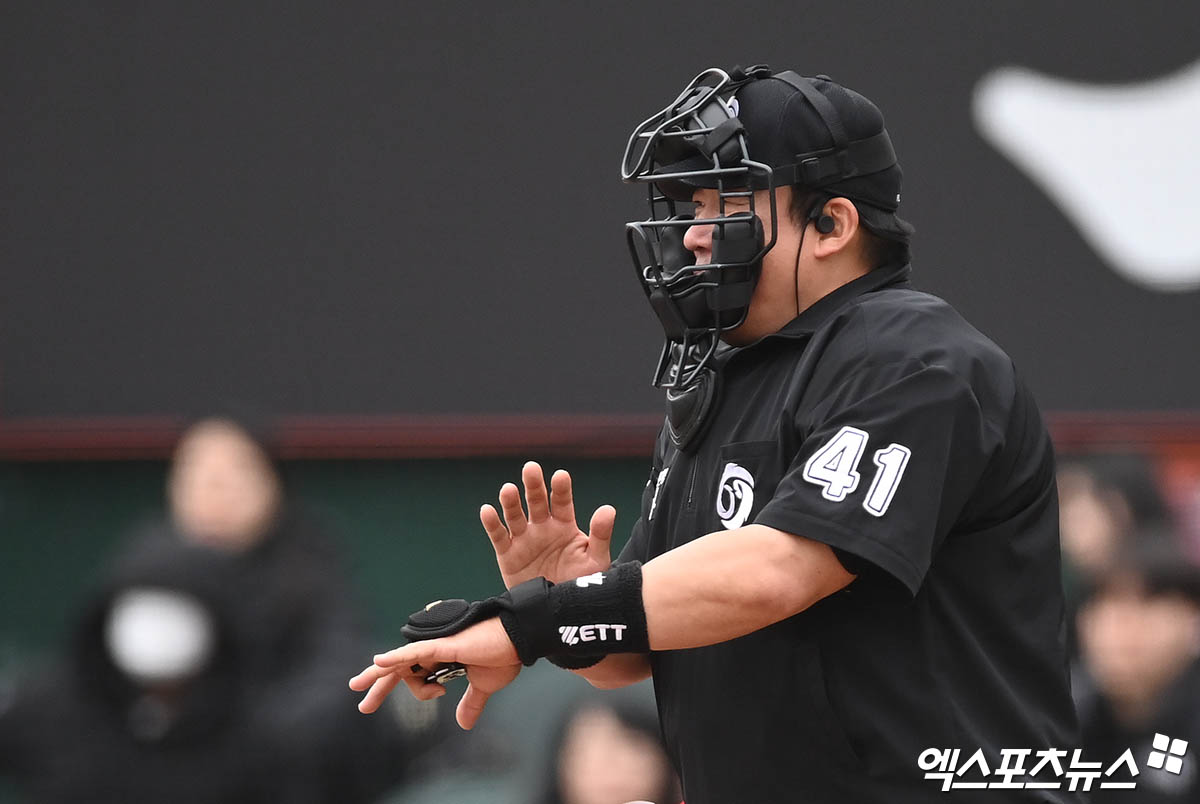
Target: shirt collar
811,319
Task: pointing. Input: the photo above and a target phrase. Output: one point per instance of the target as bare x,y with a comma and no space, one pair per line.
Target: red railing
460,436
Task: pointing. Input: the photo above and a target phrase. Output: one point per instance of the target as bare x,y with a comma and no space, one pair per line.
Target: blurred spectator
223,488
1103,497
211,665
610,753
1139,632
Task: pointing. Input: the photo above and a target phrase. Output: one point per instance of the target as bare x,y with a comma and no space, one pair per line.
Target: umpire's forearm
725,585
617,670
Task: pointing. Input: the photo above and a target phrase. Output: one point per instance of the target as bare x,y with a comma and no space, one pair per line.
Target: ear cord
809,219
796,267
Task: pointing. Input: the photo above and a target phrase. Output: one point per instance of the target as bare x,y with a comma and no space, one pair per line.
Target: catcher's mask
787,131
697,141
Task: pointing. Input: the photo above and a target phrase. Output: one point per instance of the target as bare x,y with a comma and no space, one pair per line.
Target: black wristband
584,619
568,662
578,622
527,619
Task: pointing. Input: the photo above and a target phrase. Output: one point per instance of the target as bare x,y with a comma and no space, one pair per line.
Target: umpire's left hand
485,649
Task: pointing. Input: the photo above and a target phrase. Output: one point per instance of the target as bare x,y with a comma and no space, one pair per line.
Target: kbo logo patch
735,496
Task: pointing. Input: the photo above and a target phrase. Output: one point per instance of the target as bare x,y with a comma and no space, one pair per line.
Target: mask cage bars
682,120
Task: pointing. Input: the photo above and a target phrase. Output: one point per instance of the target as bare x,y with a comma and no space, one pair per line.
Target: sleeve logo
662,478
834,467
595,579
735,496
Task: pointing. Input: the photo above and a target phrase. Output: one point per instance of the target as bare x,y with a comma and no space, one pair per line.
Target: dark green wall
410,529
410,532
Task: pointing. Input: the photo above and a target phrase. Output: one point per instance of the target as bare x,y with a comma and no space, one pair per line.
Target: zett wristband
578,622
582,619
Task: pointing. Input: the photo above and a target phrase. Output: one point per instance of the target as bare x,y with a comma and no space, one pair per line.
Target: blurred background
288,290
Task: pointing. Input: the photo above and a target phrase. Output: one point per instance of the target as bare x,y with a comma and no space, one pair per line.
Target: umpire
848,545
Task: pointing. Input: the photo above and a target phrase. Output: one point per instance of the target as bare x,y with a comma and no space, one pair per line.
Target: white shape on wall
1121,161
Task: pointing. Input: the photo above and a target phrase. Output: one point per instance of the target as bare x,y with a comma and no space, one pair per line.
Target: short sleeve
637,548
885,466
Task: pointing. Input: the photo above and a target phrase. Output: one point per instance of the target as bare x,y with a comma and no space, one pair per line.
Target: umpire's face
803,265
774,300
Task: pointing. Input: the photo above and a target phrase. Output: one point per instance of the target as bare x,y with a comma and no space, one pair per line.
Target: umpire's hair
878,250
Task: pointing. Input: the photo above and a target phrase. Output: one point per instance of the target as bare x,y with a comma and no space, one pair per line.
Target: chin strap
688,408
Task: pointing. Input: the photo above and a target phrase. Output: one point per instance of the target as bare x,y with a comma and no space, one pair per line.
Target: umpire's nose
698,240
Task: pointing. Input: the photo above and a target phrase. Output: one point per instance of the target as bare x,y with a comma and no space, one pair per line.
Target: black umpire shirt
883,424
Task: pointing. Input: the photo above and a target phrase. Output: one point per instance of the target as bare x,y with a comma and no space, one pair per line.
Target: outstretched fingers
379,691
500,538
514,515
379,683
424,690
562,501
536,496
426,653
471,707
600,531
410,664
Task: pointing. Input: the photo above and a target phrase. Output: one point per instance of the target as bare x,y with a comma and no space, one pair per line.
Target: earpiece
824,223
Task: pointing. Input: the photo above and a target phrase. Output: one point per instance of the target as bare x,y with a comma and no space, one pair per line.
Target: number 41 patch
834,467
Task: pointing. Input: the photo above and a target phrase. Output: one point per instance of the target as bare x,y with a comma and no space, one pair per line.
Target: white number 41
834,467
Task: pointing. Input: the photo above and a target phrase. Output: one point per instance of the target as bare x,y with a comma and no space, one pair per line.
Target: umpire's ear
845,231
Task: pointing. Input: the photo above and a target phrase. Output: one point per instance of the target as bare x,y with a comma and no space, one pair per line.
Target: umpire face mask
697,140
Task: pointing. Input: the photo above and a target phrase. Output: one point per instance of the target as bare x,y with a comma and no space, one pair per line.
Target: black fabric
524,611
578,620
581,619
714,142
1177,714
601,613
445,617
529,620
952,635
859,158
851,562
568,662
592,616
829,115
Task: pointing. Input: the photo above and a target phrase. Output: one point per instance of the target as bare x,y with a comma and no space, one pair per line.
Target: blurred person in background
1103,497
160,697
1139,632
609,752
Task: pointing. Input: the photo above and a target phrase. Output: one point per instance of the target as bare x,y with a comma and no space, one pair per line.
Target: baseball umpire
848,545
